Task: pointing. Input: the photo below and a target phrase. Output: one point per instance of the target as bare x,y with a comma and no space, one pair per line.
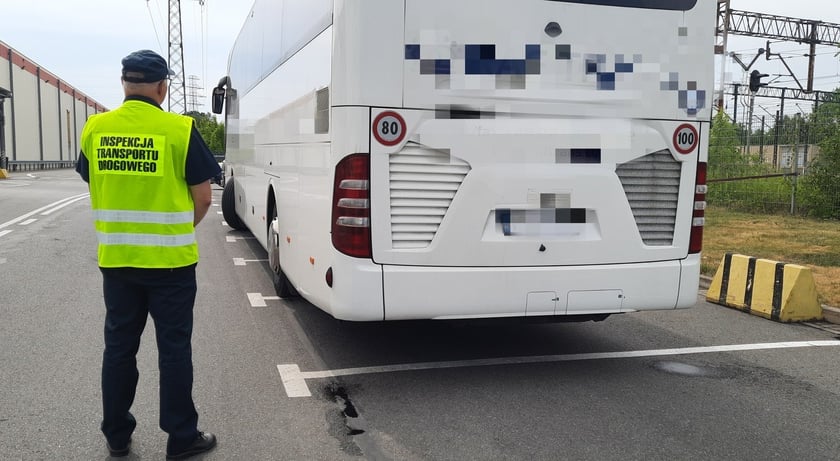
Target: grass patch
808,242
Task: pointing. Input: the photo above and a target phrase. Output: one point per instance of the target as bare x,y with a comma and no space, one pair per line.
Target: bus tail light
351,206
695,244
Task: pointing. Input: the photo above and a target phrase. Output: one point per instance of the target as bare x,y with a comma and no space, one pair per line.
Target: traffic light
755,80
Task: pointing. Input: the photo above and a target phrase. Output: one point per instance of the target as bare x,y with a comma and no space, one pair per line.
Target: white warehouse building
42,116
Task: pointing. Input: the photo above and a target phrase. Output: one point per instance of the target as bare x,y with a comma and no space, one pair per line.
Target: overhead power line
154,27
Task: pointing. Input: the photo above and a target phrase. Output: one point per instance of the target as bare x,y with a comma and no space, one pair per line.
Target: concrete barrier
770,289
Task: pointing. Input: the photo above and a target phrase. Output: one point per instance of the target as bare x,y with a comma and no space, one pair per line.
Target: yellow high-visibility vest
142,207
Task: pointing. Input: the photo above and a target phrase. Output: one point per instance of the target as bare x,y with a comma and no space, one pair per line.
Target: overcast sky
83,41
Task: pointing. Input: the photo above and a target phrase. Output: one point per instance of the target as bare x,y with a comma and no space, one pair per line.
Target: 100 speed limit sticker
686,138
389,128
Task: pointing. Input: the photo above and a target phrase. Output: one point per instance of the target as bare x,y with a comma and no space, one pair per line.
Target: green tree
728,161
725,157
820,188
211,131
217,139
724,139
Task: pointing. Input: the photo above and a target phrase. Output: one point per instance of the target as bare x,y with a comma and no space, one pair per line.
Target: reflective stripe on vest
154,240
145,217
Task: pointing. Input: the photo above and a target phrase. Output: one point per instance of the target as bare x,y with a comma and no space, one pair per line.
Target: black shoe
118,453
204,442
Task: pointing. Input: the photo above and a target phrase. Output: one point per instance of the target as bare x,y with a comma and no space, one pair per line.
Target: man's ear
163,87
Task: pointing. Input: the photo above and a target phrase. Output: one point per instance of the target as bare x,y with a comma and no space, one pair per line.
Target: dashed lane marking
258,300
5,232
232,239
244,262
294,380
46,209
39,210
27,222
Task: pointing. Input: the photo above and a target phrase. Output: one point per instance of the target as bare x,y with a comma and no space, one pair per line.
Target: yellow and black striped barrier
770,289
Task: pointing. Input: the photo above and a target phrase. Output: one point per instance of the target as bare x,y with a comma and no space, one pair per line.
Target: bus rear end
528,158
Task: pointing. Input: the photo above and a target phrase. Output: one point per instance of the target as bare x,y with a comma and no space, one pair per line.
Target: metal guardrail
38,165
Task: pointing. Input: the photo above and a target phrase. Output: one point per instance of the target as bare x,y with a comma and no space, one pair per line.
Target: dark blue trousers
131,295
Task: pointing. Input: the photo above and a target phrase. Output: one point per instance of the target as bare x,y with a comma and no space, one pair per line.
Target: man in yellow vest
149,173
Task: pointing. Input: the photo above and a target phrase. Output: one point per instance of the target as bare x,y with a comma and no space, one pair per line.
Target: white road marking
14,184
224,223
27,222
258,300
69,202
294,380
5,232
219,212
244,262
232,239
51,205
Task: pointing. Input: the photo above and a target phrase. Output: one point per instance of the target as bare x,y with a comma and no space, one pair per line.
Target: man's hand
202,195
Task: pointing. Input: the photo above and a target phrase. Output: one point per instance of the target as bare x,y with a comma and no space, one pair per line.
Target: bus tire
282,286
229,207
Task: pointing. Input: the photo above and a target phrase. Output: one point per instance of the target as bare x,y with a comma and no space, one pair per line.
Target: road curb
831,314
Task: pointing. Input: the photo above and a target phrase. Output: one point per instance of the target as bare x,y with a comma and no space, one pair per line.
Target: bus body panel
356,293
278,154
610,62
512,166
689,277
368,60
526,178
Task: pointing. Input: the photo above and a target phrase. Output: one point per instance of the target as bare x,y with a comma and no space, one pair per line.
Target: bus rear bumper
365,291
412,292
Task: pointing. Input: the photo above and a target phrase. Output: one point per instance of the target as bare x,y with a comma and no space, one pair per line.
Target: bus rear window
675,5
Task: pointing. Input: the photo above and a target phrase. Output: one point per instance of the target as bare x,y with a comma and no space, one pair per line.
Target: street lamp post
4,94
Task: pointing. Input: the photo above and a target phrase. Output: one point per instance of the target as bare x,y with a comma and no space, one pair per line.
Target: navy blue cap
145,66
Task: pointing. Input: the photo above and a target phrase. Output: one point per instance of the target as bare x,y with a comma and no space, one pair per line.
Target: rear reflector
695,244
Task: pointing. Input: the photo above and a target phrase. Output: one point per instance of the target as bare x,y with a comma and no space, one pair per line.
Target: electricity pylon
177,86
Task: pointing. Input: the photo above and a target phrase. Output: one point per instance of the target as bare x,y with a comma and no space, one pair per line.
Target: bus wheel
282,285
229,207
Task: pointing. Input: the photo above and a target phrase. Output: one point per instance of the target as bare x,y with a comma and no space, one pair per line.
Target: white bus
450,159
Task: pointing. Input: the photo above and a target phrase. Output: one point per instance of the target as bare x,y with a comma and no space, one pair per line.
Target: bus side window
322,111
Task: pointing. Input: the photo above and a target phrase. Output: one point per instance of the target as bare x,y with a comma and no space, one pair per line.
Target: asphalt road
704,383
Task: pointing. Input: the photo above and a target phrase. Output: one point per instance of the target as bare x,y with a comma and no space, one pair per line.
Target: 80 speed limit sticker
686,139
389,128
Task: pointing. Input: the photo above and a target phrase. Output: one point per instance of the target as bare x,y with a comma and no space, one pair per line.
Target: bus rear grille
652,186
423,183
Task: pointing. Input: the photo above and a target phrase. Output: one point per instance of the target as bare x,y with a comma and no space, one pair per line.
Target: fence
765,189
791,166
36,166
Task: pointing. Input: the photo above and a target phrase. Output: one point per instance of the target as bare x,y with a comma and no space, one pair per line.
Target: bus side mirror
219,95
218,99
